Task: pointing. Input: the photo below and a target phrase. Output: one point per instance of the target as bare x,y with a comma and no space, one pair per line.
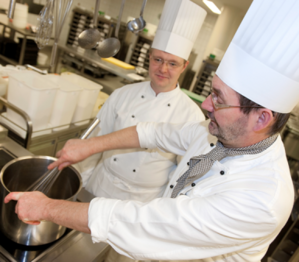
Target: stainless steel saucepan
19,174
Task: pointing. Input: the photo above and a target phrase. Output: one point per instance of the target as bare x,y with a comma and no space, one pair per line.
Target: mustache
211,116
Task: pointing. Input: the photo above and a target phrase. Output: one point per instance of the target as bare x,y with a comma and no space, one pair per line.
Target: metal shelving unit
19,48
138,46
203,80
140,55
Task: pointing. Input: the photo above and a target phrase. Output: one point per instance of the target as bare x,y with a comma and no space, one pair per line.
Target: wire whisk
45,183
62,8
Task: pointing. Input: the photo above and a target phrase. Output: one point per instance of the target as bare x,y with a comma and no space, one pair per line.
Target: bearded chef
232,192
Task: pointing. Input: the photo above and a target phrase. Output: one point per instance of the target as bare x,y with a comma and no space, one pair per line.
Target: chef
143,174
232,192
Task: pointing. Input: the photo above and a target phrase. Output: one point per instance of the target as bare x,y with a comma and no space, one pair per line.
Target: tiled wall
151,15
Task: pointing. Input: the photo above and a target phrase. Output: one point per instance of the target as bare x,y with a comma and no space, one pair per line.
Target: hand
74,151
30,207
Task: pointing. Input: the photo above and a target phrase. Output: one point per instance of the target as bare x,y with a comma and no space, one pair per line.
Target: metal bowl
18,175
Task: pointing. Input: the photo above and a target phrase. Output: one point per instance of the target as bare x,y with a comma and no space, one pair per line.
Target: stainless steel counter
75,246
92,56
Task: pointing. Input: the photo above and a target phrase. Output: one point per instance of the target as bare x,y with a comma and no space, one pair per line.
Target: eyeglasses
169,64
218,105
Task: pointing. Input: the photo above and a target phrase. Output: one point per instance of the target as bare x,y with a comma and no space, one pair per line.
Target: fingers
29,206
60,163
63,165
13,196
31,222
52,165
58,154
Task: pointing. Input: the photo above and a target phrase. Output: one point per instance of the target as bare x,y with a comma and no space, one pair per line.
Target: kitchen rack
48,144
138,46
202,81
24,52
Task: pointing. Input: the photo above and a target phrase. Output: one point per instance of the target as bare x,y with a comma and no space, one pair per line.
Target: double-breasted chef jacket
232,213
139,174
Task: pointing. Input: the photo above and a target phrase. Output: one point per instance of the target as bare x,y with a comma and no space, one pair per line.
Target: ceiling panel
243,5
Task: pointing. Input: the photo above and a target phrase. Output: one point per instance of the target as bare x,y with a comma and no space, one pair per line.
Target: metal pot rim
36,157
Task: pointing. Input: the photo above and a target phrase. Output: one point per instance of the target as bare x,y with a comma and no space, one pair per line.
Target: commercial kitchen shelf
88,57
203,79
48,143
27,35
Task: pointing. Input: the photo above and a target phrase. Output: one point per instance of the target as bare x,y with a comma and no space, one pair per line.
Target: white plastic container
20,15
41,58
65,102
87,97
102,97
30,92
3,83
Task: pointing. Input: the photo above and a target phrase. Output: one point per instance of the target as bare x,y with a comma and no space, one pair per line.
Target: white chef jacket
232,213
136,174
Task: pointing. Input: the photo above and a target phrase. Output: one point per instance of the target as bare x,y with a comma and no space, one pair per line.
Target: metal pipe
25,116
11,8
91,127
43,72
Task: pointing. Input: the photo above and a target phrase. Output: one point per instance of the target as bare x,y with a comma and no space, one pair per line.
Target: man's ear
185,65
264,119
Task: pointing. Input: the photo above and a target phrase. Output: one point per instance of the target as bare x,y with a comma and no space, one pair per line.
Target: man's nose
208,104
163,67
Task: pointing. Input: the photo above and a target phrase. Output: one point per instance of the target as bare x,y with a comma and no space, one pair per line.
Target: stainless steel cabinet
45,148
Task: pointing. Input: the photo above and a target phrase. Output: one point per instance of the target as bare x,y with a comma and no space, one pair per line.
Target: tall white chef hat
178,28
262,61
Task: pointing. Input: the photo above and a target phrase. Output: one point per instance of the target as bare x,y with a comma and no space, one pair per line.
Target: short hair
280,119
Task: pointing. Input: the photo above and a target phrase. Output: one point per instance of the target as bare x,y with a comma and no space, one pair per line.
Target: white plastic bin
87,97
65,101
102,97
30,92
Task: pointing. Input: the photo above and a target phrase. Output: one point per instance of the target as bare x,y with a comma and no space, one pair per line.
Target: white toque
262,61
178,28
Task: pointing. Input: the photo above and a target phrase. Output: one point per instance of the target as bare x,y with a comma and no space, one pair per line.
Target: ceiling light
212,6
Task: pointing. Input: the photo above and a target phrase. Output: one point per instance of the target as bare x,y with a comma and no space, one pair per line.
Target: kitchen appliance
72,246
19,174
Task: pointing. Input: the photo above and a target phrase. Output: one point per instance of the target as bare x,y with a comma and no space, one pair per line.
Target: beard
228,132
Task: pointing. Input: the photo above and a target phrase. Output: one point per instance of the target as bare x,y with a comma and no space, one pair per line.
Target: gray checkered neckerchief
200,165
